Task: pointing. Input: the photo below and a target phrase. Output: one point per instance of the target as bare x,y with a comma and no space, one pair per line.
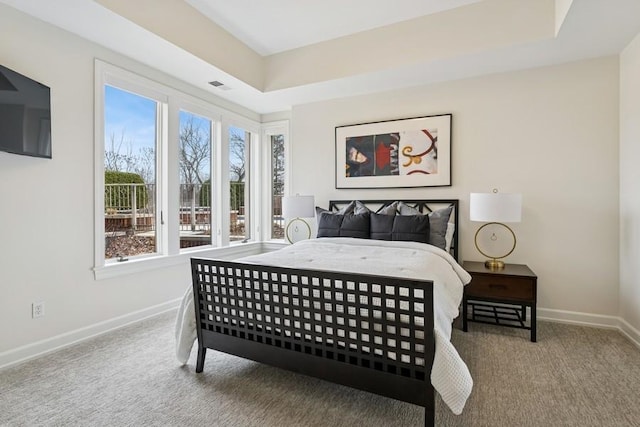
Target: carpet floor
573,376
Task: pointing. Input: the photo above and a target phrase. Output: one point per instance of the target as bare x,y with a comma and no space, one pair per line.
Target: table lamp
295,208
495,209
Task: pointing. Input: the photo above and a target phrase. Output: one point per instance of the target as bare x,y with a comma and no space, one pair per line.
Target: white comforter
450,376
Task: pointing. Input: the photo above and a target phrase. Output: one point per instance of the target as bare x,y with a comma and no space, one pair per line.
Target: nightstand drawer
501,287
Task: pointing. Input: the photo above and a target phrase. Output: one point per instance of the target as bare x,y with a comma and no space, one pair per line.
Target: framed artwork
413,152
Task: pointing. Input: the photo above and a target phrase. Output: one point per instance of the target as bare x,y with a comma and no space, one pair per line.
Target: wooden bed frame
373,333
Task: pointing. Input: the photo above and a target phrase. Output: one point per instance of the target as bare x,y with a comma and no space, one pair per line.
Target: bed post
430,408
429,418
202,352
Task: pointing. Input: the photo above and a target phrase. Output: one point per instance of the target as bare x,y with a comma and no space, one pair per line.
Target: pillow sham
347,209
438,222
448,237
361,208
388,209
405,209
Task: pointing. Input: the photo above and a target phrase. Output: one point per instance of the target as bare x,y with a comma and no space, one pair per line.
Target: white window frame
254,172
167,173
269,129
129,82
203,110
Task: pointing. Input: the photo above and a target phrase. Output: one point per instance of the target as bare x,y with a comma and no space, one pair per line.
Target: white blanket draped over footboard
449,375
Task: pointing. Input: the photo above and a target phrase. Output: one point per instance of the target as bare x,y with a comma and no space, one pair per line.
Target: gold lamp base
295,233
494,264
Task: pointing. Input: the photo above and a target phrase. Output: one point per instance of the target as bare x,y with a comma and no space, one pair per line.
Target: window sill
153,263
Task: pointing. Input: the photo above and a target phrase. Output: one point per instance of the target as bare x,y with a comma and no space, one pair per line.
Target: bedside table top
509,269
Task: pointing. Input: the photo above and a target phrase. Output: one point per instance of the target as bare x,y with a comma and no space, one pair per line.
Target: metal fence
129,207
132,207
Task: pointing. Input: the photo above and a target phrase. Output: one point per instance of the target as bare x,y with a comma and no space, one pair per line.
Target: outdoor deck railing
133,207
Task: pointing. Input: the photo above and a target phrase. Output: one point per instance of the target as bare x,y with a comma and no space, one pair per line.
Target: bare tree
119,156
237,160
195,153
277,164
146,164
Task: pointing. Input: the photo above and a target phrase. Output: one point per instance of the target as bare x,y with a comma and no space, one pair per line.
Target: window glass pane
130,125
277,186
195,180
238,183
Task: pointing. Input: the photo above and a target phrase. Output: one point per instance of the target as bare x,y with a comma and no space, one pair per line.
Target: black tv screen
25,115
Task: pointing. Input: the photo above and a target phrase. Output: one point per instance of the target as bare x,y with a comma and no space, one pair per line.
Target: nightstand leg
524,313
464,314
533,323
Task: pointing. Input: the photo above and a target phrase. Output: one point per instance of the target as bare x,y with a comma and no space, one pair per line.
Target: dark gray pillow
412,228
381,226
438,221
337,225
355,225
329,224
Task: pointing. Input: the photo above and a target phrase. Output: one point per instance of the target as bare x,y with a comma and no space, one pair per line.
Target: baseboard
40,348
587,319
632,333
578,318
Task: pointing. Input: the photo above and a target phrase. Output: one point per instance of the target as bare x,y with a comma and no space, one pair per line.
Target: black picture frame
411,152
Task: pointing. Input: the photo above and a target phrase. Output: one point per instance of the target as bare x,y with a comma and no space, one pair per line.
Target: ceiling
274,54
288,26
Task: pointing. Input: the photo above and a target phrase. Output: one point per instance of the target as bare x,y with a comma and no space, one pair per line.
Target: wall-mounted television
25,115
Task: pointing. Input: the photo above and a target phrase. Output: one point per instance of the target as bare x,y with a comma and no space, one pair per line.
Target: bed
370,314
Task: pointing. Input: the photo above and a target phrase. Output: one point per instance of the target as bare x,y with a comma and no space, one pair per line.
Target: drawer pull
492,286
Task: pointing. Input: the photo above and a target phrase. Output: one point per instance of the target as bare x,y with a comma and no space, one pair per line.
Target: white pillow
448,236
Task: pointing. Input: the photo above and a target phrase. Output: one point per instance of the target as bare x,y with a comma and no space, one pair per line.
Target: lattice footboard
373,333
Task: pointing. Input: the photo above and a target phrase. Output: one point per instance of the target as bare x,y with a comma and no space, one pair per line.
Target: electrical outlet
37,309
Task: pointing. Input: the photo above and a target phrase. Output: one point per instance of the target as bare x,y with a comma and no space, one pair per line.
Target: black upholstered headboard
425,206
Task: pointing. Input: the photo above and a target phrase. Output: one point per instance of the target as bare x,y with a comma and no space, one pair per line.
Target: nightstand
500,297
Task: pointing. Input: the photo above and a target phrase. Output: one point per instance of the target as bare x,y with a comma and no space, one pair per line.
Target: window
275,185
195,213
167,181
239,188
130,190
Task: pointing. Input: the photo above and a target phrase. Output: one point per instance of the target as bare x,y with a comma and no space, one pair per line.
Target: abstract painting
413,152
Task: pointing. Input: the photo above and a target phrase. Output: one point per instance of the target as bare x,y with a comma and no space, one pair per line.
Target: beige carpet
574,376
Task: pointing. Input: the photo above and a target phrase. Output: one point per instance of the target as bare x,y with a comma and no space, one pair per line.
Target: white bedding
449,376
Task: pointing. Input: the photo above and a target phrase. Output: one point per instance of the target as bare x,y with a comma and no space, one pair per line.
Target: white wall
630,184
47,206
549,133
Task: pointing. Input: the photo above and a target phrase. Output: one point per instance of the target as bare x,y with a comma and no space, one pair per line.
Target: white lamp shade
495,207
298,206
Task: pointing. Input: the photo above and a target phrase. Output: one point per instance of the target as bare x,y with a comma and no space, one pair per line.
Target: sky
133,117
130,115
